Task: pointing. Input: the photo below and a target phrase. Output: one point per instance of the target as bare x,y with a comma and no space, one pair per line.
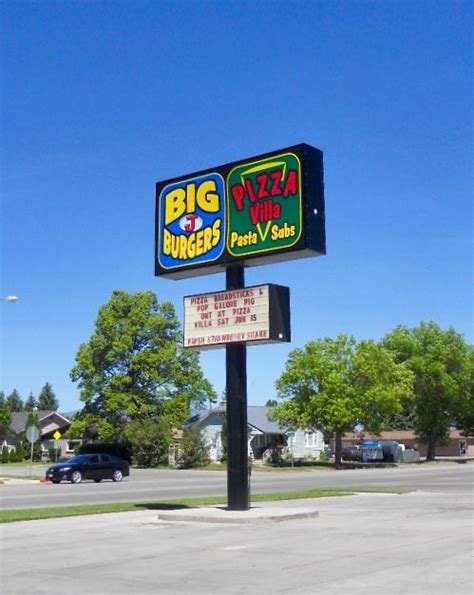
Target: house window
309,438
71,445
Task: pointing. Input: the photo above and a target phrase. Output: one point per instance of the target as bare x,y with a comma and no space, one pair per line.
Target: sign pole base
238,492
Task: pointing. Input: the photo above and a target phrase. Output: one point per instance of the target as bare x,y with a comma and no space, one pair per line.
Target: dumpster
371,451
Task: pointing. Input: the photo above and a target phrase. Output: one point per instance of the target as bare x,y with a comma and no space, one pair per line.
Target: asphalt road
161,484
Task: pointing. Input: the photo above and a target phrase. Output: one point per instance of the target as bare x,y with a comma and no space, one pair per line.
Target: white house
264,435
52,426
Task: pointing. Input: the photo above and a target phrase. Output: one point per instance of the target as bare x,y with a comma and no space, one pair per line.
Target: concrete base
220,514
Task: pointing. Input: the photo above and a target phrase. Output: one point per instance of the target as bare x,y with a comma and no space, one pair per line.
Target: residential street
160,484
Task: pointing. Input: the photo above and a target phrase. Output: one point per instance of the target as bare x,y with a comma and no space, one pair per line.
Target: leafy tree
14,401
150,440
5,416
47,400
464,414
134,368
439,361
194,451
334,384
403,420
271,403
30,403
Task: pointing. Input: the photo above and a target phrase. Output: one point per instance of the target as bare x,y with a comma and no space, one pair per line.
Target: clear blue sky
102,99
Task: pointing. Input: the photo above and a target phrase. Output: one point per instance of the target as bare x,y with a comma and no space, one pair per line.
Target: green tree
464,413
47,400
30,403
440,361
19,452
5,455
14,401
150,439
134,368
5,416
194,451
335,384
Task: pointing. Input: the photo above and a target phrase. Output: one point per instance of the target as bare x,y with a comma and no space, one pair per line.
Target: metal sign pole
238,492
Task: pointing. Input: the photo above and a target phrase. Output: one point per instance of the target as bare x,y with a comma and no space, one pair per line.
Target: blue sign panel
191,221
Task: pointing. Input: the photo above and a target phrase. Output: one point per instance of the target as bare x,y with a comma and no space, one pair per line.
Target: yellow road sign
56,435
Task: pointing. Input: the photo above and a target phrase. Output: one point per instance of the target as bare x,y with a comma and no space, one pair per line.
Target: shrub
194,451
275,458
19,452
150,439
5,455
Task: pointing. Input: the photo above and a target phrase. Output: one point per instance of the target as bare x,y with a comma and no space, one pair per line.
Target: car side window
93,460
105,458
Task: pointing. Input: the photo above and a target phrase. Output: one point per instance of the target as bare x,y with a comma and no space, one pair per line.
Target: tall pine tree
14,401
47,400
30,403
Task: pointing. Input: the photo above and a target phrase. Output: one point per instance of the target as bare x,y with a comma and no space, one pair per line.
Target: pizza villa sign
253,315
257,211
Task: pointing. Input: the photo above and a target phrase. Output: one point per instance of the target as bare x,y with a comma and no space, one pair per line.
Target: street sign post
32,434
56,436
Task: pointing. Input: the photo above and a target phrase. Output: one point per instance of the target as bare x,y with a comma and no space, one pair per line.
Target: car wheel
97,480
117,475
76,477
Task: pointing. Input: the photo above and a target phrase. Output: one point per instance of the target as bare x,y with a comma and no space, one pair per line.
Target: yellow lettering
207,239
199,242
207,198
216,232
182,247
192,246
190,198
166,242
174,205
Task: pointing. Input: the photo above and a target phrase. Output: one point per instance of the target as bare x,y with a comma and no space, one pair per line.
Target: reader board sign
252,315
260,210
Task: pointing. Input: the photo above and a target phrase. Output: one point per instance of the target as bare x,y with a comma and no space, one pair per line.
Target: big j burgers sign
260,210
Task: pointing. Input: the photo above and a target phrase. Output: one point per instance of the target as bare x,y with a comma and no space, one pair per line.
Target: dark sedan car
89,466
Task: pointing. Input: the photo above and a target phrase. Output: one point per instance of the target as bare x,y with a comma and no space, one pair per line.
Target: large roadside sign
260,210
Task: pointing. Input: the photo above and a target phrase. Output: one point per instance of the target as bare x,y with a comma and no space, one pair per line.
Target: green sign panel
265,205
260,210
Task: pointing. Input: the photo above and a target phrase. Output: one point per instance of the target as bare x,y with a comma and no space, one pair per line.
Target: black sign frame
310,237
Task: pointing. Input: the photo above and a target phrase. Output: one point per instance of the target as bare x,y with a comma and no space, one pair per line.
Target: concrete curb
223,515
20,481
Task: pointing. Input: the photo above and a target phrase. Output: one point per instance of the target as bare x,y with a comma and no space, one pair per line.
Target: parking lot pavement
367,544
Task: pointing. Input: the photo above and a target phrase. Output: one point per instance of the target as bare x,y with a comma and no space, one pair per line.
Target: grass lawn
30,514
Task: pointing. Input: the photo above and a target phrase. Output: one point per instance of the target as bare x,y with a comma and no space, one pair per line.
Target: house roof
257,417
20,418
